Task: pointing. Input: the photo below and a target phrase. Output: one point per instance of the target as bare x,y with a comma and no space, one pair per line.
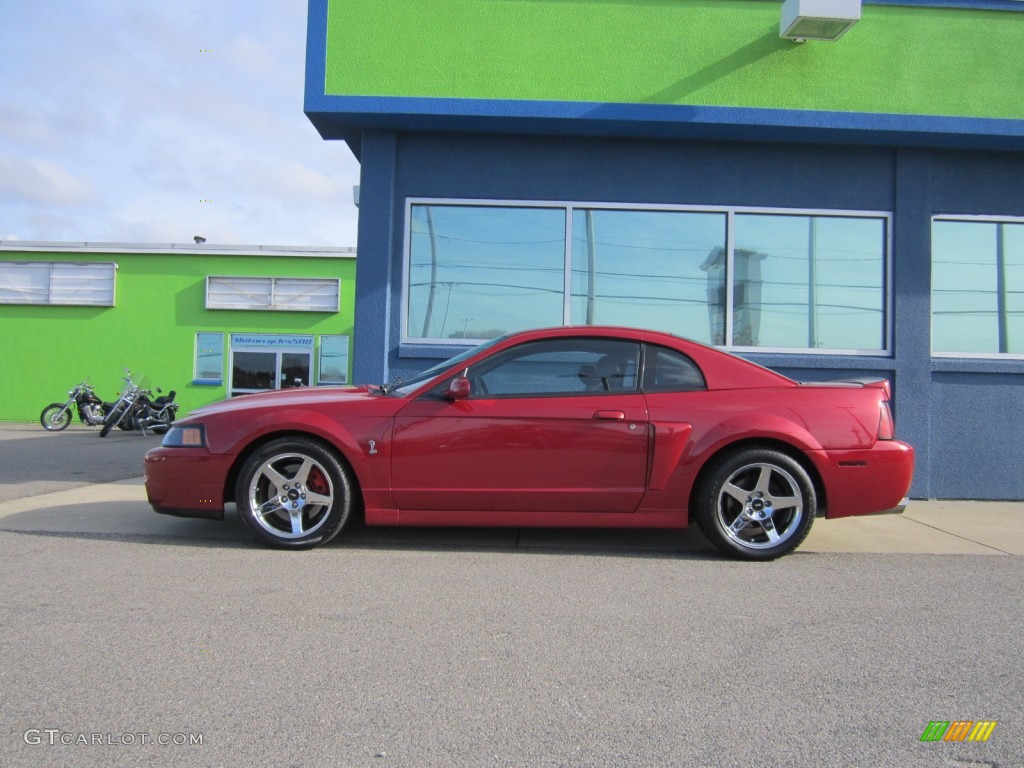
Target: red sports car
566,427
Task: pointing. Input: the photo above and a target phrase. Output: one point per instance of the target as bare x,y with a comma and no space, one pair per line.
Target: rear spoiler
874,382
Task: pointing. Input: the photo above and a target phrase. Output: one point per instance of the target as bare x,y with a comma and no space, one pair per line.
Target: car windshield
401,387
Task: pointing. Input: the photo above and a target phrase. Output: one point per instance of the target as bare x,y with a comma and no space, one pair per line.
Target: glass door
261,371
293,369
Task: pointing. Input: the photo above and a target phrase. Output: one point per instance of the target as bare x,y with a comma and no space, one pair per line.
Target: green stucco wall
160,306
897,59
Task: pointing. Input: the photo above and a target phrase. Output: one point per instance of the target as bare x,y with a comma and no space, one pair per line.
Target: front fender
363,442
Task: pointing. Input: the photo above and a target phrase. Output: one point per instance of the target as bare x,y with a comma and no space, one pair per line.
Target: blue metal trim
1010,367
344,116
316,52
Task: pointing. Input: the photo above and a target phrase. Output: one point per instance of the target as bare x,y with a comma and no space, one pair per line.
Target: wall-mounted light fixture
817,19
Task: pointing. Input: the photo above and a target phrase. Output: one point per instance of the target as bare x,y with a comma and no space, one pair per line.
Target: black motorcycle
136,408
91,409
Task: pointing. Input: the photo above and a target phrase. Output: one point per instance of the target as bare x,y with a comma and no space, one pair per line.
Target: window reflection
810,282
792,281
650,269
977,287
209,356
477,272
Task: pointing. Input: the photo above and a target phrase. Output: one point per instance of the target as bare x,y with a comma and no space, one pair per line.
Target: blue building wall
964,417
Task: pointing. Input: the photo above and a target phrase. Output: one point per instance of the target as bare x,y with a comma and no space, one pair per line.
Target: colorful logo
958,730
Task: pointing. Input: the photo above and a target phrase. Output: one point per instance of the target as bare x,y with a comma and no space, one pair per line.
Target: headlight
185,436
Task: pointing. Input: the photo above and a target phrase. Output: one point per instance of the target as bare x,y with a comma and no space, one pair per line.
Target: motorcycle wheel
161,429
55,417
113,417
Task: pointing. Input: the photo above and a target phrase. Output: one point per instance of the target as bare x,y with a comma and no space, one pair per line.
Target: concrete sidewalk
926,527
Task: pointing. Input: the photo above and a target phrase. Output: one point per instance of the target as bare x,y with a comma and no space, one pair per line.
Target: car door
556,425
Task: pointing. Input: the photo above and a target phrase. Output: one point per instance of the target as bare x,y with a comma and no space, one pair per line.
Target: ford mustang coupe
567,427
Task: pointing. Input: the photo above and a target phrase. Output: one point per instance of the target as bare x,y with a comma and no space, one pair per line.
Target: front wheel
55,417
756,504
293,493
114,417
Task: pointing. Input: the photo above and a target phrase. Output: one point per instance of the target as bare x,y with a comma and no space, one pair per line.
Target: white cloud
40,181
117,119
299,182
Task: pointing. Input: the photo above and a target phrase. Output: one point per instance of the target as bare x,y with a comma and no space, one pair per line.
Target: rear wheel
756,504
161,427
55,417
293,493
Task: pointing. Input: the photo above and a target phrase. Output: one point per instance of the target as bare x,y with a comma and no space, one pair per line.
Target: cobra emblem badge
373,448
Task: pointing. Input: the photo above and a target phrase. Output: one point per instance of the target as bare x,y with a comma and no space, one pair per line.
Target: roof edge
340,117
182,248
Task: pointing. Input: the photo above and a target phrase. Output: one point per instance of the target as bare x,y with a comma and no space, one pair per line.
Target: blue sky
138,121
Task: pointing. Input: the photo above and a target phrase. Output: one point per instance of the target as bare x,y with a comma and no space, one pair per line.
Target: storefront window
477,272
650,269
334,359
209,368
734,278
977,287
809,282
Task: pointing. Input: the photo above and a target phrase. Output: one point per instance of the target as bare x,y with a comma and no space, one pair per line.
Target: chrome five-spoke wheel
757,504
293,493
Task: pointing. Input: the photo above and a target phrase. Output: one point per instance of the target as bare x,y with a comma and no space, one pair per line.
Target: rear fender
675,467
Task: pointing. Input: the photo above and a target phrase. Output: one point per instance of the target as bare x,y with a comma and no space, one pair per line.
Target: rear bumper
897,510
866,481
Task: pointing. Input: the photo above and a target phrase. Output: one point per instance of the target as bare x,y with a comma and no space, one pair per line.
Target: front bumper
186,482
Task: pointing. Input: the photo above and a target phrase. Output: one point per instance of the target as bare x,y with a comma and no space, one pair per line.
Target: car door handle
612,415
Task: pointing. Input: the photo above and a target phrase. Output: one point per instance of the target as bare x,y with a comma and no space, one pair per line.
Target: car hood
287,398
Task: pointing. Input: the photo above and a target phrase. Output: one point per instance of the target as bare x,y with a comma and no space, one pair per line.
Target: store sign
269,341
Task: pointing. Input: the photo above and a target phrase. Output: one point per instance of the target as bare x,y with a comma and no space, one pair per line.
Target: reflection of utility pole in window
447,303
591,266
1001,314
812,282
433,275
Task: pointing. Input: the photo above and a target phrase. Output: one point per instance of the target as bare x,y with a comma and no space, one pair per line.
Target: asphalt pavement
129,638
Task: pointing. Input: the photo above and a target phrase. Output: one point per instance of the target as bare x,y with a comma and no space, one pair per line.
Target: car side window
558,367
668,370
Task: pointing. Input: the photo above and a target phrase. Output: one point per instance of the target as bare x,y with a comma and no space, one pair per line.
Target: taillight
886,427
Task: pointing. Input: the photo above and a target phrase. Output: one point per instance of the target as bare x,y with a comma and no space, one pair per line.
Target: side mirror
459,389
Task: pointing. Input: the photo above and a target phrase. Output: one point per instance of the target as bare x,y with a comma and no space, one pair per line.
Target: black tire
756,504
112,417
294,493
55,417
